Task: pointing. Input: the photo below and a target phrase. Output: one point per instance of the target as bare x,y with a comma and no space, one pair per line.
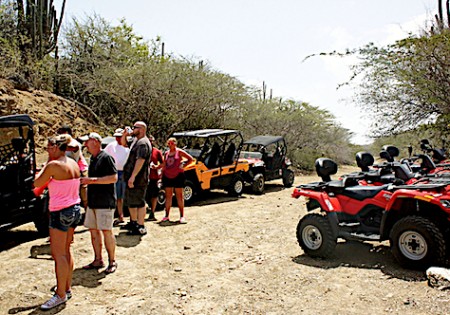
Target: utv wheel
188,192
315,236
288,178
258,184
237,186
41,219
161,199
417,243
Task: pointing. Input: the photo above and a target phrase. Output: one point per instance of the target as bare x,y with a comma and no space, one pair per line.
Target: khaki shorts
99,219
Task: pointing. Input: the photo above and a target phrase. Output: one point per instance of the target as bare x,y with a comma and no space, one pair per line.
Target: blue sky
266,40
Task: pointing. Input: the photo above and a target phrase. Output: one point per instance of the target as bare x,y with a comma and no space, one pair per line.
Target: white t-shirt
119,153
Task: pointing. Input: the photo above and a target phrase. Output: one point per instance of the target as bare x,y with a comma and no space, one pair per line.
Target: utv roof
205,133
16,120
263,140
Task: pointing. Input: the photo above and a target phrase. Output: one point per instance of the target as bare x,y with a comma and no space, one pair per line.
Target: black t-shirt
102,196
141,149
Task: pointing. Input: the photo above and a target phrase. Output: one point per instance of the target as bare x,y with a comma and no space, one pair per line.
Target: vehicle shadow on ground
363,255
13,238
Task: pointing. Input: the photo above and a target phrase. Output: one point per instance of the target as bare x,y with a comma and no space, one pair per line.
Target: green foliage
9,52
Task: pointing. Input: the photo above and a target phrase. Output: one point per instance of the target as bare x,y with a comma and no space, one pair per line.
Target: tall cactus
440,21
38,26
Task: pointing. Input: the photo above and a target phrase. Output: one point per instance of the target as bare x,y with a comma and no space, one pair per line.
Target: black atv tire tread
256,187
329,240
435,240
287,180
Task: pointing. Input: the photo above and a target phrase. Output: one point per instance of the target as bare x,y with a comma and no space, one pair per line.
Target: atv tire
189,192
417,243
288,178
236,187
315,236
258,184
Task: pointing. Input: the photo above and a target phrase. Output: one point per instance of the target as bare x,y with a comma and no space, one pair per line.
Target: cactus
38,26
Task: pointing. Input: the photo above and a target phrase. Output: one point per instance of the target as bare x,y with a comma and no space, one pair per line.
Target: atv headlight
445,203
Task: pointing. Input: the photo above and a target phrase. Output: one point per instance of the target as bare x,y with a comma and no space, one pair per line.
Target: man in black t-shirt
135,173
102,176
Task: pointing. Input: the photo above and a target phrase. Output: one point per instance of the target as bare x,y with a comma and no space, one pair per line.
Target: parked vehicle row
222,160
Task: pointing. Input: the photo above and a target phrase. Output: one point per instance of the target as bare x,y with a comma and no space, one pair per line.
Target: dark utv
18,202
268,161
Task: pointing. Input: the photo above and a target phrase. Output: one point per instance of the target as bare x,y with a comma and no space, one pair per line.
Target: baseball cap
92,135
118,132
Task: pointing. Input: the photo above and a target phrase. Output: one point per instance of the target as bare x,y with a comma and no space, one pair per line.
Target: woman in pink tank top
63,177
173,177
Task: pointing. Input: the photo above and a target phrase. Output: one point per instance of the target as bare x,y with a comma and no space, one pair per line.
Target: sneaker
165,219
142,230
183,220
151,217
68,292
53,302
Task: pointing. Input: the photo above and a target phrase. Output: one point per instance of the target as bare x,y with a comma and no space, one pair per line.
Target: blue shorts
120,185
66,218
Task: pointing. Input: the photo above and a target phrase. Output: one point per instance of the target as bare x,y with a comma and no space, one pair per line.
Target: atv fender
327,203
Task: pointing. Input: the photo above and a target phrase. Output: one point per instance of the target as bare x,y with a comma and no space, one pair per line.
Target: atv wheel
417,243
315,236
288,178
258,184
188,192
237,186
41,219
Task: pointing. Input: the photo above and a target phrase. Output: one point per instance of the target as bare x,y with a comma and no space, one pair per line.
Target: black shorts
152,189
135,197
177,182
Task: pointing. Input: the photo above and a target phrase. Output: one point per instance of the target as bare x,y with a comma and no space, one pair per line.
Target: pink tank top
63,193
172,168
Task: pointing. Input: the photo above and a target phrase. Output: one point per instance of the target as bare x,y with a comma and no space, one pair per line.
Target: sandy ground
235,256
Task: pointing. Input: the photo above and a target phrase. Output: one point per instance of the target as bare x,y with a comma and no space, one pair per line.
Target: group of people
120,175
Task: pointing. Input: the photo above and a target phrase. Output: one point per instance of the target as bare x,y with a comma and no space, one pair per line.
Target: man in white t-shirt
120,155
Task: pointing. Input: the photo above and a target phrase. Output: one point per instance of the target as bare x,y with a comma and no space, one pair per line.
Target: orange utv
216,164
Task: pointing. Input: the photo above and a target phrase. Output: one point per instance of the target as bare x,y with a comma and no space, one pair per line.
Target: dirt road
235,256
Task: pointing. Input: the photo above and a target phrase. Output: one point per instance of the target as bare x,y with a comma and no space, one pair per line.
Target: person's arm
137,167
44,175
187,156
109,179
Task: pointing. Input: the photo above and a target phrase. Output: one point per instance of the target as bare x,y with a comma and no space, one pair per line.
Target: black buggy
18,202
268,161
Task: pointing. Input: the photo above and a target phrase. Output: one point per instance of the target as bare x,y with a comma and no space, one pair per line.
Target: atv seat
363,192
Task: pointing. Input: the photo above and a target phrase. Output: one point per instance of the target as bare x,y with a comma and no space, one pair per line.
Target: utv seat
212,158
229,155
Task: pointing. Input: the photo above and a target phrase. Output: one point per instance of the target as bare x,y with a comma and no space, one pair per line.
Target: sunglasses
135,127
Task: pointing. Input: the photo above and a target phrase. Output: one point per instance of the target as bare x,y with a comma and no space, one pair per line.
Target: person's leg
110,245
133,214
69,241
180,200
58,246
141,211
169,194
120,209
96,240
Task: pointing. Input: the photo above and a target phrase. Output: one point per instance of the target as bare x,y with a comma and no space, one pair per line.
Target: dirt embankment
48,111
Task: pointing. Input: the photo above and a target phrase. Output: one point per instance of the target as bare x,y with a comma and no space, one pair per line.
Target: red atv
415,218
